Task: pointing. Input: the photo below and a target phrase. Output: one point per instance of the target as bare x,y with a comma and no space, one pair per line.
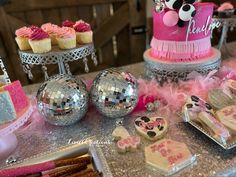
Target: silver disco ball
62,100
114,93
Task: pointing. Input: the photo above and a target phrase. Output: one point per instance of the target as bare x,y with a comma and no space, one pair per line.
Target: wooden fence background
119,30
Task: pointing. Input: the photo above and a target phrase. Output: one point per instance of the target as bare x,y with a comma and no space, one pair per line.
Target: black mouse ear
181,23
187,12
174,4
190,1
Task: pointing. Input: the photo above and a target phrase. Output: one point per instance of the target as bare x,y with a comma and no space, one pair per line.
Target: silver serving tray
98,159
230,144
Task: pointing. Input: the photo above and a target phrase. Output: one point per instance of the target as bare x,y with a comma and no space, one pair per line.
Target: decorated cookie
196,104
166,154
215,127
188,114
131,143
227,117
152,128
232,85
125,142
120,133
218,99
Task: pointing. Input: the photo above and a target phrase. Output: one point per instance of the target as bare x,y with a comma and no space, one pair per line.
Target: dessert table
212,160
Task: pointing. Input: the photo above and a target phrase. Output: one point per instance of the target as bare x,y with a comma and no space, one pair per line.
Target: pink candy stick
11,172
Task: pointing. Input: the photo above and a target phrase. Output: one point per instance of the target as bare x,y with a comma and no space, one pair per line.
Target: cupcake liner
23,43
41,46
84,37
53,39
66,43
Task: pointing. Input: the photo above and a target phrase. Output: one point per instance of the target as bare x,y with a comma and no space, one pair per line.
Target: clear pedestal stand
226,25
57,56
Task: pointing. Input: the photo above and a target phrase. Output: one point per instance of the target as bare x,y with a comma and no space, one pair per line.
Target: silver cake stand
57,56
164,71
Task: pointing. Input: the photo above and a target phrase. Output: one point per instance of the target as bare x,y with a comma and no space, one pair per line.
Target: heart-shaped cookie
152,128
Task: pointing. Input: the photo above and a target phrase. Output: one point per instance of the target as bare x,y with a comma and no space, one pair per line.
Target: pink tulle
199,85
228,71
168,95
172,96
145,96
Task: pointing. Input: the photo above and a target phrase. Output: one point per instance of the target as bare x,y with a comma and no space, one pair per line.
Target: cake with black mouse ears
182,30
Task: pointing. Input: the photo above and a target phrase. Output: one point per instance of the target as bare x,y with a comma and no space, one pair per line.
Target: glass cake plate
57,56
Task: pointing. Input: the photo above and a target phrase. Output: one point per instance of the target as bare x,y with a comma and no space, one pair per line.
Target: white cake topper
206,28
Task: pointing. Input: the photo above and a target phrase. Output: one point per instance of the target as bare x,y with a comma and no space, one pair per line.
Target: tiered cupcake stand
57,56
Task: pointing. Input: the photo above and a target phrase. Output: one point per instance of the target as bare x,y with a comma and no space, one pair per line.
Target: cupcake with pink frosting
51,30
66,38
226,10
68,23
40,41
33,27
84,34
22,38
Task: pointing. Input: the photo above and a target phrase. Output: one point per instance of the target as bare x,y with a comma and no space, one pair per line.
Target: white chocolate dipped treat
227,117
216,128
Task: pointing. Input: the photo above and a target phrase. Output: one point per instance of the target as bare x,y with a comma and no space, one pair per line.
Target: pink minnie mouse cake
181,41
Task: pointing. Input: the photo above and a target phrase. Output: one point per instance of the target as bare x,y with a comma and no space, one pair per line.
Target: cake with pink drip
181,40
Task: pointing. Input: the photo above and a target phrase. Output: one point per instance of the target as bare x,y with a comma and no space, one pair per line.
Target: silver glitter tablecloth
212,160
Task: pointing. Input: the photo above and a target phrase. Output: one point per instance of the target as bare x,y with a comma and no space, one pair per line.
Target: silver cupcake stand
57,56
